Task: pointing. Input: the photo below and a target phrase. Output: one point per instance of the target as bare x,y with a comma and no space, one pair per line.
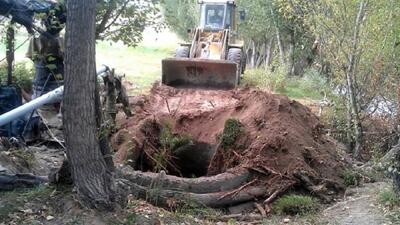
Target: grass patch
13,201
232,130
310,85
351,178
294,204
173,142
141,65
193,209
389,198
22,75
391,205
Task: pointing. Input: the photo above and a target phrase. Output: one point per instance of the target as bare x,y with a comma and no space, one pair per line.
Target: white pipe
49,98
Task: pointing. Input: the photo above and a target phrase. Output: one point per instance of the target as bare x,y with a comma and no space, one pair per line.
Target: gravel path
360,207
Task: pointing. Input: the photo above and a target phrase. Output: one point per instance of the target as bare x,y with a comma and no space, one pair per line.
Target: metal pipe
49,98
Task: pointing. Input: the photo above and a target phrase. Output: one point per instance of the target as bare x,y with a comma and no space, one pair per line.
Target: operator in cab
215,16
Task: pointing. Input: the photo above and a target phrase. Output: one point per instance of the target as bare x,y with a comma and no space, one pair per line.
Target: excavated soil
279,140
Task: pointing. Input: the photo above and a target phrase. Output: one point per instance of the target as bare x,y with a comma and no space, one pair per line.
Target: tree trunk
349,124
227,181
396,150
278,38
351,84
253,54
290,62
268,52
10,53
92,177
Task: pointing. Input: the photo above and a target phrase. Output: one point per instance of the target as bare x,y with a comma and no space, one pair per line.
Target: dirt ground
359,207
278,139
50,206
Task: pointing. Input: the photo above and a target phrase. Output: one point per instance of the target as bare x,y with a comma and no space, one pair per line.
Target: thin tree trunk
261,57
253,54
351,85
396,155
268,53
290,62
92,177
10,53
278,39
349,124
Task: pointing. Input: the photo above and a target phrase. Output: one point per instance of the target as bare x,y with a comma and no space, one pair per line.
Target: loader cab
216,15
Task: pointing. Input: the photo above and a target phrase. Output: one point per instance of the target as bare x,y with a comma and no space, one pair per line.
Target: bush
265,79
389,198
232,130
335,119
295,204
311,85
351,178
22,75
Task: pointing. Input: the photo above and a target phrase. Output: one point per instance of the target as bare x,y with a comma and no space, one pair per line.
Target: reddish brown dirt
282,141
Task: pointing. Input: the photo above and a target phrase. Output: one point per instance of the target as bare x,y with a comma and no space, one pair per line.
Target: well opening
176,154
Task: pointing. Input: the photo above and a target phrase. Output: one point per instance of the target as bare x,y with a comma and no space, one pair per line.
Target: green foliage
191,208
125,21
232,130
131,219
13,201
391,203
294,204
389,198
22,75
169,144
351,178
311,85
172,142
266,79
181,15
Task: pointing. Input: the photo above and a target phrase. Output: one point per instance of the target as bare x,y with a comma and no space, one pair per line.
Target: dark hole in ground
190,160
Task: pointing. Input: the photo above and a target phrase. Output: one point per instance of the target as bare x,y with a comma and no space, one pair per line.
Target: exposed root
221,182
161,197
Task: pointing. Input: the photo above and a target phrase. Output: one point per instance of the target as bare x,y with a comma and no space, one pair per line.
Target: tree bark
351,84
290,61
92,177
221,182
278,38
253,54
268,52
10,53
396,149
174,198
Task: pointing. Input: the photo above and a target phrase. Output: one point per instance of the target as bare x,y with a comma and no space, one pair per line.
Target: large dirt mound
279,140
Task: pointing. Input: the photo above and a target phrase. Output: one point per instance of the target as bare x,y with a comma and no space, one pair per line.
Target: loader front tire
182,52
235,55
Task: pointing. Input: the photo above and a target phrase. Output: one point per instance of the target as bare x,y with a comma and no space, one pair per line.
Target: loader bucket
203,73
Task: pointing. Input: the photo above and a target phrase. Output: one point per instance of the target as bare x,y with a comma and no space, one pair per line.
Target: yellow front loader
214,58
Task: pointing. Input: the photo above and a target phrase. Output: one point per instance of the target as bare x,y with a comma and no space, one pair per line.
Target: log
161,197
222,182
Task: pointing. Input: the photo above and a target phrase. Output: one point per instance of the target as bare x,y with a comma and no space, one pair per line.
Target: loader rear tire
182,52
235,55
